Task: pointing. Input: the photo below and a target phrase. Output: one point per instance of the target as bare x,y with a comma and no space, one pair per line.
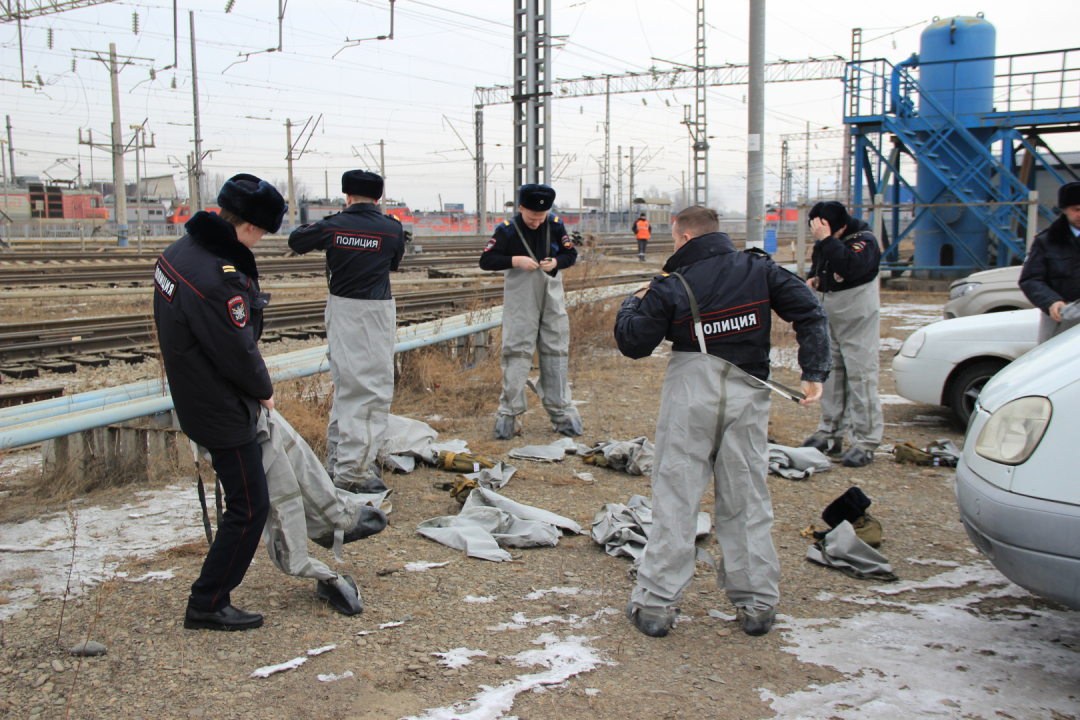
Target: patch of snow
894,400
320,651
268,670
153,576
721,616
537,594
591,692
458,657
946,658
562,660
981,574
481,599
366,632
915,316
38,551
331,677
888,343
824,597
385,625
939,563
423,566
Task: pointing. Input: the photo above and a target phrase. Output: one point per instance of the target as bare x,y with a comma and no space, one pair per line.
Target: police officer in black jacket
714,413
208,310
362,247
530,249
1051,275
844,269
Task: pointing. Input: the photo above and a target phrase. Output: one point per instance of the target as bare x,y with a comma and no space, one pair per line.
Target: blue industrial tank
953,84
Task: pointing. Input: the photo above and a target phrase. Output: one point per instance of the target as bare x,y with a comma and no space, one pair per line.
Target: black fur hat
850,506
361,183
1069,195
833,213
256,201
536,197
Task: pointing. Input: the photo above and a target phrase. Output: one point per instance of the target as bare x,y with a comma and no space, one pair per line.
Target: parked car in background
1018,481
949,362
988,291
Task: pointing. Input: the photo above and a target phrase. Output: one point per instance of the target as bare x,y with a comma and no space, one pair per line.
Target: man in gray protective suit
531,248
362,247
844,269
715,305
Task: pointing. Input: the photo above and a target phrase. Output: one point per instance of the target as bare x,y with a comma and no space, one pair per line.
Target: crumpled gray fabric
843,550
796,463
304,502
488,520
555,452
634,456
623,530
945,448
408,440
493,478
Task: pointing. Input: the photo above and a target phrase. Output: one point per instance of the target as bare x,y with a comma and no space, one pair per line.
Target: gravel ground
705,668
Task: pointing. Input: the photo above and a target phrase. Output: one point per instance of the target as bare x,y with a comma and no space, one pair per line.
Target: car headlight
1014,431
958,291
913,344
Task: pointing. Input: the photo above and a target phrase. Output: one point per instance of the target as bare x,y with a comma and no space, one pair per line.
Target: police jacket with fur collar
1052,270
549,239
362,247
848,261
736,293
209,314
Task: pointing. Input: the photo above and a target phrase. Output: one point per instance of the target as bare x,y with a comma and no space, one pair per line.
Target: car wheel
967,385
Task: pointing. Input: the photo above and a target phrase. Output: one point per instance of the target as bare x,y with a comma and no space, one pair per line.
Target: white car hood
1009,274
1012,326
1043,371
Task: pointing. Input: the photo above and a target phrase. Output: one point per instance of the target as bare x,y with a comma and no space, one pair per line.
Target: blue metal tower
963,121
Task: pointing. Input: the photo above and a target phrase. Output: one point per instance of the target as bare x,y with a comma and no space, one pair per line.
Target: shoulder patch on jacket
858,246
164,282
490,244
556,218
238,311
506,222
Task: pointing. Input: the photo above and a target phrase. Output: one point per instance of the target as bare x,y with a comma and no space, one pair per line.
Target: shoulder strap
525,242
694,309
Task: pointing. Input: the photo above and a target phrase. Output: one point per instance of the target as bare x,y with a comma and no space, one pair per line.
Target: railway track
79,339
26,270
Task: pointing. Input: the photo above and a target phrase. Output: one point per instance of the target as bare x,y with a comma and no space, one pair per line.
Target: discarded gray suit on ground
850,401
304,503
623,530
488,520
796,463
360,338
842,550
635,457
535,319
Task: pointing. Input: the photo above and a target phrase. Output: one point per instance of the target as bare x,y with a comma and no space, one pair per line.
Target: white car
988,291
949,362
1018,482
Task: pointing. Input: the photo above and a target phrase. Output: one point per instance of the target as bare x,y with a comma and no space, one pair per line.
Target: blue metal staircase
957,150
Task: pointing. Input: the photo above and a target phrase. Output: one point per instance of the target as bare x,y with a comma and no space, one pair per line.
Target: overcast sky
414,91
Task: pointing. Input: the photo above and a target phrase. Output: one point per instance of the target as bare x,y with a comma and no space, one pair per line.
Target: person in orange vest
641,230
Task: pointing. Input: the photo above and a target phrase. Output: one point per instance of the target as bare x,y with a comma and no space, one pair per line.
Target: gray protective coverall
534,319
304,503
360,339
850,400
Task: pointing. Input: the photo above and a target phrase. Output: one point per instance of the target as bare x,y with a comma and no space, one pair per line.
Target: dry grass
306,404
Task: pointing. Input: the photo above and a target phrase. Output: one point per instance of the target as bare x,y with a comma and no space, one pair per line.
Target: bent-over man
714,413
1051,274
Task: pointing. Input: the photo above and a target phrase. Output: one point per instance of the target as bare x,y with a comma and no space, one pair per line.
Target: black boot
758,623
342,593
372,521
654,622
227,618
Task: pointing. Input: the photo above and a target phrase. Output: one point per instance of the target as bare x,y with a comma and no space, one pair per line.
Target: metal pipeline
54,418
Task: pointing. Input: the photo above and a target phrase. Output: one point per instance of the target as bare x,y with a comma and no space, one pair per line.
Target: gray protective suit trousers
712,425
303,500
534,318
360,335
850,401
1050,328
